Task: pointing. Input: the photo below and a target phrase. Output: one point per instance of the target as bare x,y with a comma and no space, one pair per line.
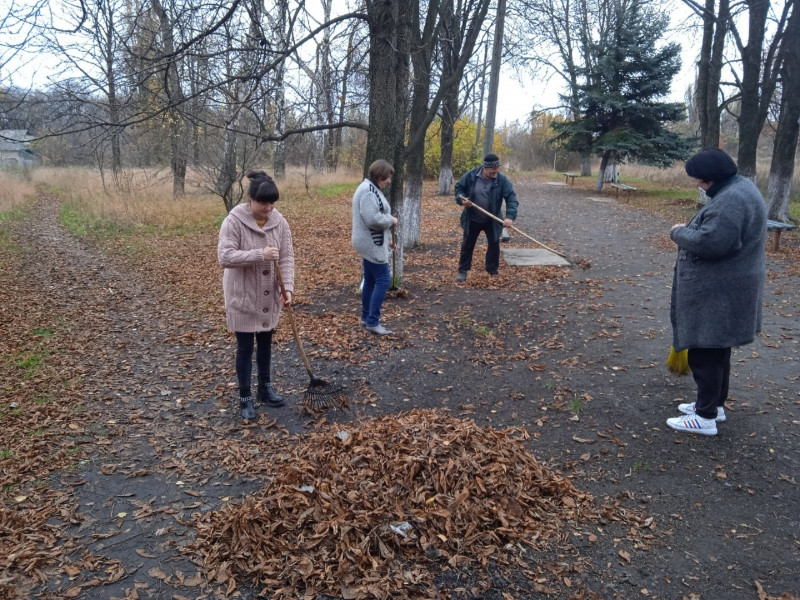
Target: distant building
15,148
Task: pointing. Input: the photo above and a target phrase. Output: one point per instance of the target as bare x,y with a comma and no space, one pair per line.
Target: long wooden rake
522,233
319,394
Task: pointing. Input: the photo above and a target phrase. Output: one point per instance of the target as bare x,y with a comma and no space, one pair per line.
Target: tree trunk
447,137
611,172
450,44
586,165
608,155
388,96
494,78
279,156
479,120
750,104
709,72
178,135
785,145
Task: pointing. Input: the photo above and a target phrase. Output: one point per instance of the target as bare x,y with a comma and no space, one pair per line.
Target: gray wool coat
718,281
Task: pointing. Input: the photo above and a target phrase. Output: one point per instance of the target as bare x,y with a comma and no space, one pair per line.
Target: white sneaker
688,409
693,424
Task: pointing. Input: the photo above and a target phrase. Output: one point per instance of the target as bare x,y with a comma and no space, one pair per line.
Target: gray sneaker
379,330
462,276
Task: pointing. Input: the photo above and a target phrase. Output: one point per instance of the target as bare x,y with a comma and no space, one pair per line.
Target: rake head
320,394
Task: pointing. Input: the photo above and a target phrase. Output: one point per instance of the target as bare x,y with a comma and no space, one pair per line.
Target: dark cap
491,160
711,164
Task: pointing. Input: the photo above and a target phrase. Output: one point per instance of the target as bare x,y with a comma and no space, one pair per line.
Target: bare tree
425,107
494,77
759,78
785,145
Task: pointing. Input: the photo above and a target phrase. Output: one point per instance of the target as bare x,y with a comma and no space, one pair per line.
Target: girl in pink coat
253,237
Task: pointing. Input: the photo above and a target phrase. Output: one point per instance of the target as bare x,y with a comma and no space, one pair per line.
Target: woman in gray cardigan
718,283
371,238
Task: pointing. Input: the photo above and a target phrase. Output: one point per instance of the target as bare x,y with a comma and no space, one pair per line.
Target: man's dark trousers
468,247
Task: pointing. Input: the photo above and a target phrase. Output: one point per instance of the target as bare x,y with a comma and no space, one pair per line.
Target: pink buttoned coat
252,294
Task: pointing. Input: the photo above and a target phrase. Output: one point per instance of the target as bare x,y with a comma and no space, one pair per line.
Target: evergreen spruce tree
622,118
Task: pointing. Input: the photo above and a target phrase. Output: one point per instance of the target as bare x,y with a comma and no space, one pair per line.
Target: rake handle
522,233
290,314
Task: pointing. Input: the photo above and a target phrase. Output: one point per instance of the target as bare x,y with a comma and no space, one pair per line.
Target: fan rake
319,394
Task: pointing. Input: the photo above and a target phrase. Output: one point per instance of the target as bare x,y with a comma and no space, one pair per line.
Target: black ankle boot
267,395
248,411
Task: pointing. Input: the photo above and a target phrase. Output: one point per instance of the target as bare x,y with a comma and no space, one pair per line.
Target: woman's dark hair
262,188
711,165
380,170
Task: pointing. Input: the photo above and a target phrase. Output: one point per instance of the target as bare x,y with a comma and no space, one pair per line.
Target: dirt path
727,505
577,361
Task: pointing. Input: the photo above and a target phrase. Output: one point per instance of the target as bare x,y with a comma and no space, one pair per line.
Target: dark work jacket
501,189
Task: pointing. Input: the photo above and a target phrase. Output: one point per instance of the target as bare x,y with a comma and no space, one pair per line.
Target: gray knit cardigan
718,281
372,222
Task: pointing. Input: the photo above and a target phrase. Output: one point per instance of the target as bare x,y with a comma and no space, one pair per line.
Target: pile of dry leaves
371,510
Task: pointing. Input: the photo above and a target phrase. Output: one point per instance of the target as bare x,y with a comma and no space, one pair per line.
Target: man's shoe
688,409
267,395
247,408
379,330
492,273
363,323
693,424
462,276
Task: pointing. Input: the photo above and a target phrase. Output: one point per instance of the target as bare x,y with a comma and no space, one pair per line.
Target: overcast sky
516,100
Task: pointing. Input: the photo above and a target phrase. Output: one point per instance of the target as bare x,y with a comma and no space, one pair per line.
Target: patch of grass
30,362
481,330
38,432
74,221
576,405
5,453
14,214
638,466
44,332
43,399
334,190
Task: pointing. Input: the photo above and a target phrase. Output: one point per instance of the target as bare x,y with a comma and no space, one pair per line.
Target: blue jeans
376,282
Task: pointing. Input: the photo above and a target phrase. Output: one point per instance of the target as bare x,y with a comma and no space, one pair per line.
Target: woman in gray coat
718,283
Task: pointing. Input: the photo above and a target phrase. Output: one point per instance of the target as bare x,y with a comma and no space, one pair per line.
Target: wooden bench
569,178
621,187
778,227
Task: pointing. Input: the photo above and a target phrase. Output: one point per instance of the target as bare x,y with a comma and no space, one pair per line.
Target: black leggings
244,359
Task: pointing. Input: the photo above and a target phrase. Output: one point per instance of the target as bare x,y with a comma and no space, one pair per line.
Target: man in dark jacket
718,283
487,188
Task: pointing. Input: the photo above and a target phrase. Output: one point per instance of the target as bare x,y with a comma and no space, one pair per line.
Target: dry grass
144,197
16,189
